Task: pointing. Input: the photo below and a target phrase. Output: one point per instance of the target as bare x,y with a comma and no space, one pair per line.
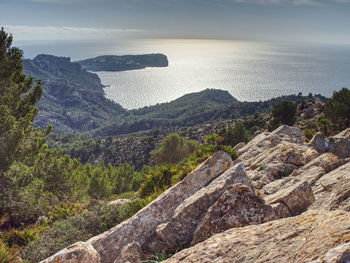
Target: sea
250,71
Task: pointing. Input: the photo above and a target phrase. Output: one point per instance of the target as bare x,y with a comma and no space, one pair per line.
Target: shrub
234,135
284,113
337,109
173,149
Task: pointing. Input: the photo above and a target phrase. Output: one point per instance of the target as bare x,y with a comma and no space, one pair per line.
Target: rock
294,239
290,133
340,147
297,197
326,161
238,206
343,134
339,254
239,146
41,220
180,228
281,210
80,252
332,189
141,227
319,143
275,186
119,202
131,253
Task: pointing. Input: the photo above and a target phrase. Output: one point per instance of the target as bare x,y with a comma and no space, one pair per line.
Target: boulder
239,146
332,189
339,254
290,134
80,252
343,134
297,197
180,228
319,143
295,239
340,147
238,206
119,202
131,253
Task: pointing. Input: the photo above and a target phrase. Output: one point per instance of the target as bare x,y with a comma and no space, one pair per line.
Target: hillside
122,63
73,98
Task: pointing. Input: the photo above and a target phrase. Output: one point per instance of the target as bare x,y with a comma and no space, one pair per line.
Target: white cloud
64,33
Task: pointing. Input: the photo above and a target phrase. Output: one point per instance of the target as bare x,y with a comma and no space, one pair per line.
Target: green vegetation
337,110
173,149
284,113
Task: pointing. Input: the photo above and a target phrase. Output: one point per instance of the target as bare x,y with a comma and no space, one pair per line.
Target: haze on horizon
263,20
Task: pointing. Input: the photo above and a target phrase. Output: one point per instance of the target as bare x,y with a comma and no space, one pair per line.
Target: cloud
63,33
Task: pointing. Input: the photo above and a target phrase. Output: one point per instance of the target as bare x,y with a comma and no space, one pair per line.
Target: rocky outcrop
80,252
238,206
283,200
319,143
141,227
294,239
180,228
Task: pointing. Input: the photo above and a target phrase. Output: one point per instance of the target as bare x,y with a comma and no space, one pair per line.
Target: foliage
173,149
284,113
337,109
7,255
234,135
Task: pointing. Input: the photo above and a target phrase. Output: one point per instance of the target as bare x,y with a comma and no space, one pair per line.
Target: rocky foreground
282,200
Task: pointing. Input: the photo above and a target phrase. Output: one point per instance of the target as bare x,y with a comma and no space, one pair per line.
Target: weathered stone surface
238,206
332,189
294,239
290,133
281,210
80,252
339,254
340,147
118,202
180,228
141,226
132,253
326,161
319,143
343,134
275,186
297,197
239,146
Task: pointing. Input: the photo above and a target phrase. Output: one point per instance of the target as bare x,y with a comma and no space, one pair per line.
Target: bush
337,109
173,149
284,113
234,135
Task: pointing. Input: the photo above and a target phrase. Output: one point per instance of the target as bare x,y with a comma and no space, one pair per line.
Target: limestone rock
239,146
343,134
294,239
118,202
180,228
141,227
340,147
132,253
332,189
80,252
297,197
339,254
281,210
290,133
319,143
237,207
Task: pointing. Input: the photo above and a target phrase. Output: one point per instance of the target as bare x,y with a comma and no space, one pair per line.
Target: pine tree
18,95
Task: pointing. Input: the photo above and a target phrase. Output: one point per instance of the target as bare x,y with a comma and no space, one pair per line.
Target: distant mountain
73,98
121,63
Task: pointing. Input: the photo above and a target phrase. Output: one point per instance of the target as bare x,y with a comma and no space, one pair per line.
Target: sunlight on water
248,70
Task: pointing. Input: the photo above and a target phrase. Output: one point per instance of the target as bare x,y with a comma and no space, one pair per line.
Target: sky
264,20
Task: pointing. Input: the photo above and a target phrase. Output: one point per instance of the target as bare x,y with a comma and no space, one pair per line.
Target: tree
284,113
337,109
234,135
18,95
173,149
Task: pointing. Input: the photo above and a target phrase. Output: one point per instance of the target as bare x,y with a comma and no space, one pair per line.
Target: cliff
73,98
122,63
282,200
